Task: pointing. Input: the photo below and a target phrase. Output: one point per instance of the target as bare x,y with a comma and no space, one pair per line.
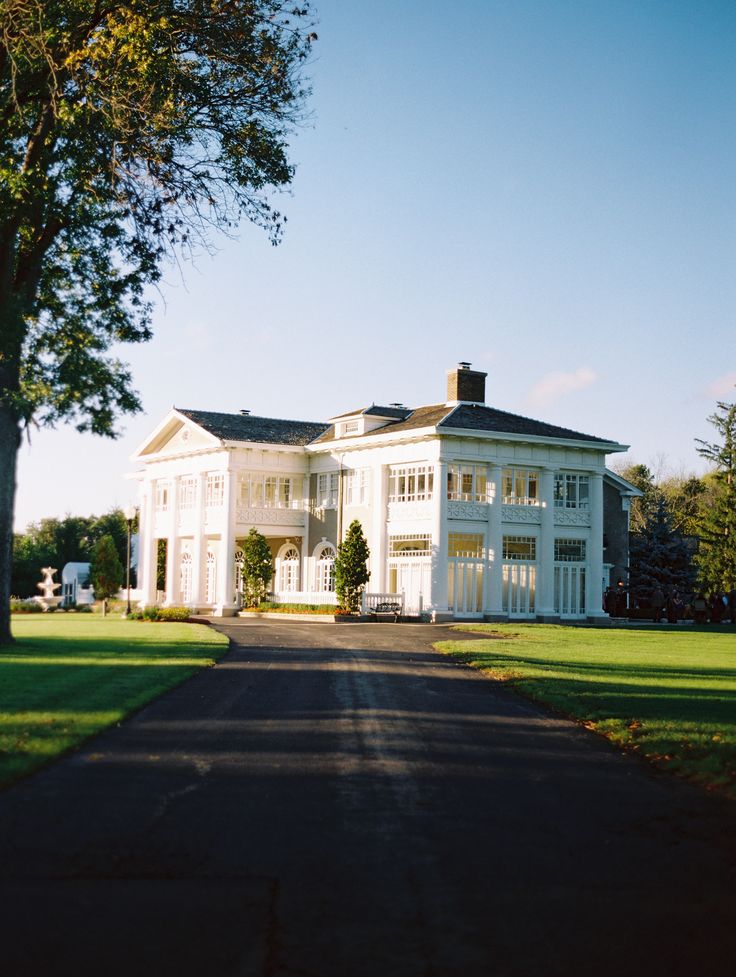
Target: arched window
239,561
185,578
287,568
324,564
210,578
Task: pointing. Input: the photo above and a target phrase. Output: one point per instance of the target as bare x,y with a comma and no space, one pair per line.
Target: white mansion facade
469,511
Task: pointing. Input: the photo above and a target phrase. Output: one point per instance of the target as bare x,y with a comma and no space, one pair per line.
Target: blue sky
544,189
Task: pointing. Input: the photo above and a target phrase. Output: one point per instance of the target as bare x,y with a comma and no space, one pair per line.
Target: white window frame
185,577
239,559
466,546
215,490
516,486
467,483
324,568
288,565
512,557
568,490
210,578
267,490
327,489
356,487
411,483
162,496
187,492
409,544
569,557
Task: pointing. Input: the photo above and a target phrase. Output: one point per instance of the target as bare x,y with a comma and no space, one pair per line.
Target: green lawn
669,694
68,676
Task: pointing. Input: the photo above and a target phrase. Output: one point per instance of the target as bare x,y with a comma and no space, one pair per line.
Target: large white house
469,511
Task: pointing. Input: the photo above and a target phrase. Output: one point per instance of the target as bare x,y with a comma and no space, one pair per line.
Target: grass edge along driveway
68,677
668,695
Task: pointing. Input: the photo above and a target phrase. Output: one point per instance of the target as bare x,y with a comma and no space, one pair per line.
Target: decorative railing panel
409,511
572,517
529,515
271,517
467,510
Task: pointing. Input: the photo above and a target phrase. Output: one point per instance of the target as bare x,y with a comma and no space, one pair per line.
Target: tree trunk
9,442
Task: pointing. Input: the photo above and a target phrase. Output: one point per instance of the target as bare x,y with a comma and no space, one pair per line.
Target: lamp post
129,512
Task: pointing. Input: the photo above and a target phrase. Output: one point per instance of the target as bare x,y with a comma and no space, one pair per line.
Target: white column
173,595
147,560
546,556
378,542
494,562
594,563
305,583
198,549
439,541
226,567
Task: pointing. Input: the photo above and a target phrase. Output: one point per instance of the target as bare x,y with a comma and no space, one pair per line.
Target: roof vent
244,412
464,365
398,406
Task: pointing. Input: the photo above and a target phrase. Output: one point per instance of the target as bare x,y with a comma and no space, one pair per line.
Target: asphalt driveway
345,802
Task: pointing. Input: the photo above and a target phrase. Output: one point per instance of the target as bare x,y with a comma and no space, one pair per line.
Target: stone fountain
48,599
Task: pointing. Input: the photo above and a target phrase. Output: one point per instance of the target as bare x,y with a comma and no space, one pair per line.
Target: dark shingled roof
478,417
247,427
376,411
475,417
421,417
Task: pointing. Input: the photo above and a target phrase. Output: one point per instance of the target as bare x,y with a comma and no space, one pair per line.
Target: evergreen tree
716,557
106,572
351,567
257,567
659,556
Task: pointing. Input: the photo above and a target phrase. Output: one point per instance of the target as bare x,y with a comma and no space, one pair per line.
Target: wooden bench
386,608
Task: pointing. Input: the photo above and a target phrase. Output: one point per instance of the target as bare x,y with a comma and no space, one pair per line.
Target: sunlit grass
669,695
69,676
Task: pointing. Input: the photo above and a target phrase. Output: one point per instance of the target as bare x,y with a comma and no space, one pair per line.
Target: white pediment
176,435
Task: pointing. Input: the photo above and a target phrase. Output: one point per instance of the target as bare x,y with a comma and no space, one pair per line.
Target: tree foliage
351,567
56,542
659,556
128,129
106,572
257,567
716,557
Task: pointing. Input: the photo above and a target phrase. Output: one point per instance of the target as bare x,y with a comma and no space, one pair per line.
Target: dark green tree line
55,542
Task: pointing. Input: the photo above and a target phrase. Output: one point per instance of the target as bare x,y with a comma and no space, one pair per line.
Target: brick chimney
466,385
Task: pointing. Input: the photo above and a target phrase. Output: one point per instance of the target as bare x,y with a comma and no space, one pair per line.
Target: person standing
657,604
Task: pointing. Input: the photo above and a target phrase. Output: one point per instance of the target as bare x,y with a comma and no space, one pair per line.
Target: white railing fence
304,597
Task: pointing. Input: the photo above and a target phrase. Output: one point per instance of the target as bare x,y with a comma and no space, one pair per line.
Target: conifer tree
351,568
106,571
659,556
716,557
257,567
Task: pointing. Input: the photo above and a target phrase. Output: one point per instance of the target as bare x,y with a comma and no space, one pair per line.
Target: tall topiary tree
716,557
257,567
351,568
106,571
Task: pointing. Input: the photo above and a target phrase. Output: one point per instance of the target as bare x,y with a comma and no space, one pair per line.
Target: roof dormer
368,419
